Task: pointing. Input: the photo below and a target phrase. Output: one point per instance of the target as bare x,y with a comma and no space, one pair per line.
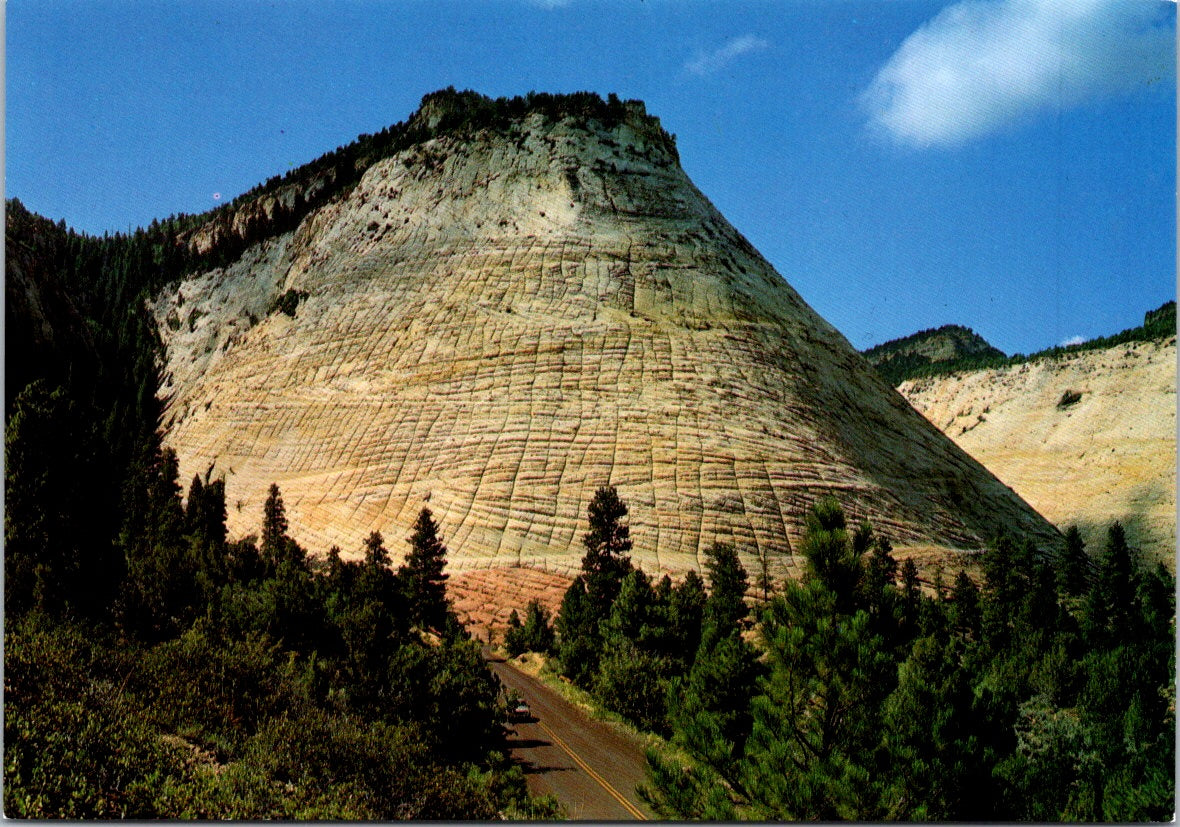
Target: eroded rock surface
496,326
1086,438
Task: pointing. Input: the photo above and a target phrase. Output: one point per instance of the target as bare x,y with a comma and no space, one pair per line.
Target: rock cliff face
498,322
1087,438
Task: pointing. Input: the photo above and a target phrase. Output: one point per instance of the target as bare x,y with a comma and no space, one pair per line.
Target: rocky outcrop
496,323
1087,438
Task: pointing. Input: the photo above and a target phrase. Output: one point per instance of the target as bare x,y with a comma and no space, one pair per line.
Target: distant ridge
953,348
900,359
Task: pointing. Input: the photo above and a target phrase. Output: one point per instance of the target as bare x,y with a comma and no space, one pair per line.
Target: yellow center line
627,805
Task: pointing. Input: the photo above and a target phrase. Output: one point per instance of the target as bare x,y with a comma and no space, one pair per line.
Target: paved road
588,766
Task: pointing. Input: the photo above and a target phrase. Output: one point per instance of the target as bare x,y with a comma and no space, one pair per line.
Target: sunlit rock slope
497,321
1086,438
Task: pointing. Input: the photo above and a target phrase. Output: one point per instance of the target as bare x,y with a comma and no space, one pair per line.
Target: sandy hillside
1110,455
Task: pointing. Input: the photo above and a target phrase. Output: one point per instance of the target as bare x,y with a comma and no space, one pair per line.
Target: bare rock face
1087,438
498,323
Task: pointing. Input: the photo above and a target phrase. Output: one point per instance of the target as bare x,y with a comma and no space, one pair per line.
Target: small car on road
520,711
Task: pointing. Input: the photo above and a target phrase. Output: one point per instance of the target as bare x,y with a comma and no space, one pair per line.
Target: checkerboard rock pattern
495,326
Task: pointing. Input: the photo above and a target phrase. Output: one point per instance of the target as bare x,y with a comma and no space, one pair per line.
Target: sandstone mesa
497,323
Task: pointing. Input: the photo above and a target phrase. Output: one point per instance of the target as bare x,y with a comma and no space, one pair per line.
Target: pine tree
725,607
1111,612
878,591
57,555
578,642
934,771
195,505
686,792
911,598
964,609
607,543
1074,567
375,580
274,526
833,557
763,580
537,631
709,709
514,636
422,574
881,570
686,610
816,719
376,555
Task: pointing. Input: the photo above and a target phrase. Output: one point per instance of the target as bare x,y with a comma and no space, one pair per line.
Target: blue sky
1004,164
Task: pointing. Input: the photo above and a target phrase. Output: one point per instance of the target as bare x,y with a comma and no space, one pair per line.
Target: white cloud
706,63
1072,340
982,64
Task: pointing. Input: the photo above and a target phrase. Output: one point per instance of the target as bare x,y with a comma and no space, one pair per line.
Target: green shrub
77,744
288,302
1069,398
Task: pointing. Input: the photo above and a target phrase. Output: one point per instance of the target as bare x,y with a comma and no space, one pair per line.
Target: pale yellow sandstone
497,326
1111,455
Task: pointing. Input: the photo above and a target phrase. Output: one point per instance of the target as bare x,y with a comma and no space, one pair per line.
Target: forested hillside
1043,692
936,346
951,348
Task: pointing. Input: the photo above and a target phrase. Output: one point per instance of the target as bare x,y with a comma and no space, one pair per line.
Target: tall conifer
422,574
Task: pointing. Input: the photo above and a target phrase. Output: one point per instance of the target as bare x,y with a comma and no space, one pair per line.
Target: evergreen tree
578,642
631,681
680,792
422,574
878,592
686,610
205,523
763,579
607,542
725,608
376,555
195,505
151,541
881,570
274,526
964,610
537,631
632,672
816,717
1110,611
375,581
56,556
709,709
514,636
1074,567
937,769
833,558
